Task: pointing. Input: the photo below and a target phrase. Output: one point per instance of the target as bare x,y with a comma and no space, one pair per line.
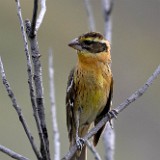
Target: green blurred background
135,55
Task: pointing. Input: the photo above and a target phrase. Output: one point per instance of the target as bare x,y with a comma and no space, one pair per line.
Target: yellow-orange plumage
89,90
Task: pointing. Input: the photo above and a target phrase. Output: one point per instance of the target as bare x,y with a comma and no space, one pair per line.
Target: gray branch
37,102
39,90
93,150
38,83
109,133
107,6
12,154
53,109
36,22
139,92
18,109
91,22
34,19
109,142
29,71
41,14
118,109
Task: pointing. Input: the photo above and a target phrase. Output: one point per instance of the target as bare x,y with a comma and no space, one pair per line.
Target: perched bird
89,89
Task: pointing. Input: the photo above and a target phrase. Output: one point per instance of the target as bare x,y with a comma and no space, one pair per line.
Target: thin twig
34,18
41,14
109,133
32,35
118,109
90,15
12,154
36,22
39,91
18,110
93,150
139,92
109,142
107,6
29,70
53,108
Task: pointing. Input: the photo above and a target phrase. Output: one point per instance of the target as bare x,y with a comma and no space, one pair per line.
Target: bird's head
91,42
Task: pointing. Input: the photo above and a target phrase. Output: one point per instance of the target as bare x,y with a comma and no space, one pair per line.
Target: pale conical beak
75,44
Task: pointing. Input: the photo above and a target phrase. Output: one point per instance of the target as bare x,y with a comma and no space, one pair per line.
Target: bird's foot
112,114
80,143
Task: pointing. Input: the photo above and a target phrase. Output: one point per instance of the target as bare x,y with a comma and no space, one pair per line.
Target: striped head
91,42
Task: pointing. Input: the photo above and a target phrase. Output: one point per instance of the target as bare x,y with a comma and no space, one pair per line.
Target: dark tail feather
97,136
82,155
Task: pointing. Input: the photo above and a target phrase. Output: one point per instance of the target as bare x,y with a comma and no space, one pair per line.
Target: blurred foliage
135,55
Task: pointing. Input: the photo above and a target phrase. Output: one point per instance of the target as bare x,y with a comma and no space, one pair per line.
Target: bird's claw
112,114
79,143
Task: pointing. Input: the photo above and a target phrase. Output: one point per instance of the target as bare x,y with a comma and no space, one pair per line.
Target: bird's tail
80,155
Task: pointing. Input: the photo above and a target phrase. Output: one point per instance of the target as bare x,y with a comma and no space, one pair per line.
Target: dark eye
86,42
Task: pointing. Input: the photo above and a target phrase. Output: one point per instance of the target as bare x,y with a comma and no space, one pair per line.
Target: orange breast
93,86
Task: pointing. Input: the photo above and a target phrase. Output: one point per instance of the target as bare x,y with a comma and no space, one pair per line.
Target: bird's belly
92,105
92,87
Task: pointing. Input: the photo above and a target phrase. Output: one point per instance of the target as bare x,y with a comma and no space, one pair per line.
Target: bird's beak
75,44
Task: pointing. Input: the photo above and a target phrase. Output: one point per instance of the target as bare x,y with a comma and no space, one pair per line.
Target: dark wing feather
70,97
103,113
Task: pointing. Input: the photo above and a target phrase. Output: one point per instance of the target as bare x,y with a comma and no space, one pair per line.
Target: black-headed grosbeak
89,90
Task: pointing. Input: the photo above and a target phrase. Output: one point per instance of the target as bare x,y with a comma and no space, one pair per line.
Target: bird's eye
86,42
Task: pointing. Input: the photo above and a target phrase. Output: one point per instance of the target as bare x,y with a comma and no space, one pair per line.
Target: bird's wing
103,113
70,97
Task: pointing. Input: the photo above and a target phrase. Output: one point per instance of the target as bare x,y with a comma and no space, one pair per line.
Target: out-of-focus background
135,55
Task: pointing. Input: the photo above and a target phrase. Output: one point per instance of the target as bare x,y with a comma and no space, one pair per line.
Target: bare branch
30,29
53,109
34,18
36,22
90,15
118,109
39,91
23,34
41,14
107,6
109,133
18,110
12,154
93,150
109,142
29,70
139,92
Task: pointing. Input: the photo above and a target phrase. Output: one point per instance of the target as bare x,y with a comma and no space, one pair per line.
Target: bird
89,89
